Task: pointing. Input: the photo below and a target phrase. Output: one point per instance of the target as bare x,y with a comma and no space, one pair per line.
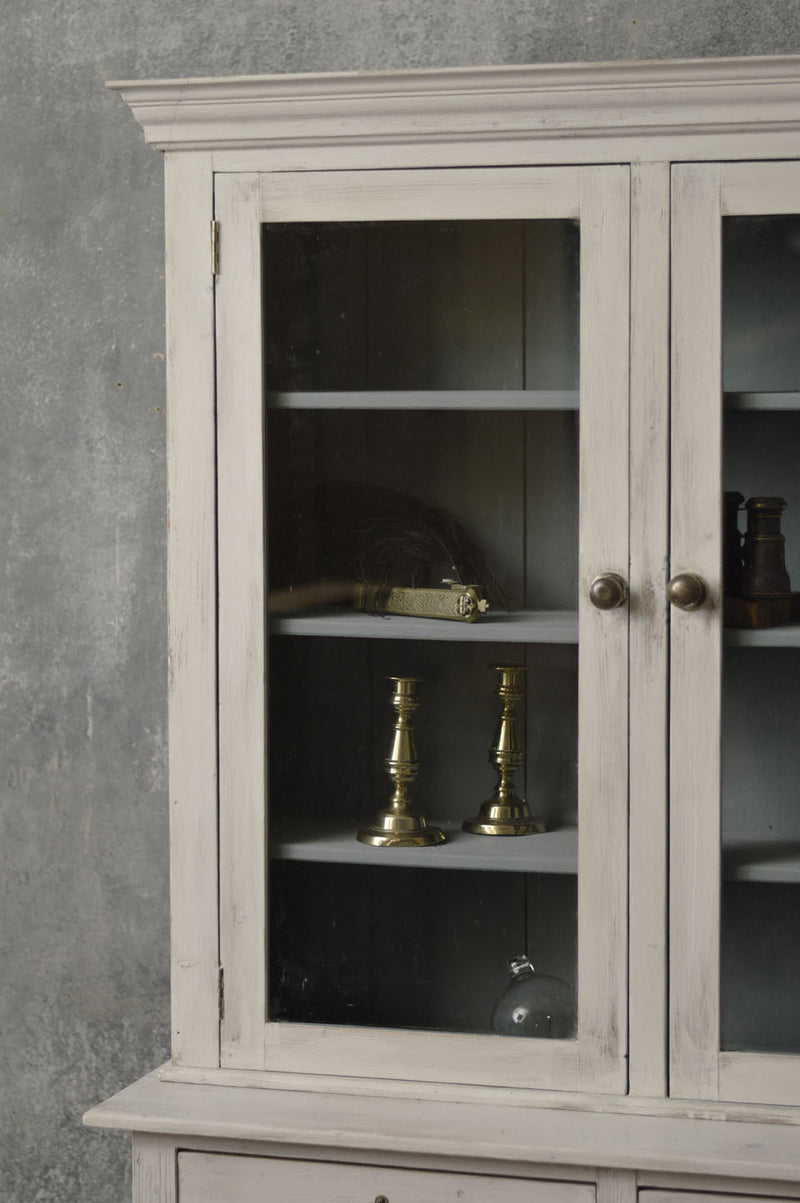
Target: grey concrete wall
83,847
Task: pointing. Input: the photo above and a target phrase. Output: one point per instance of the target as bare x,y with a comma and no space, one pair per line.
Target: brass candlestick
398,826
505,813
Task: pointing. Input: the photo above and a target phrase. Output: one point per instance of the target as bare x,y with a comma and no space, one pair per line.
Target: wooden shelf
761,858
429,399
762,401
525,626
745,857
784,636
550,852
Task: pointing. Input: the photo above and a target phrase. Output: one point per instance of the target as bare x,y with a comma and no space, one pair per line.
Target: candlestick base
392,830
497,818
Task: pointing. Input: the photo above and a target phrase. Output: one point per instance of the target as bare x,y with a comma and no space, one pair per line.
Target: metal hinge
221,992
215,248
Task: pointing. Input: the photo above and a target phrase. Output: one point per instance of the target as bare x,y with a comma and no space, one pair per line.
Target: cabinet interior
437,361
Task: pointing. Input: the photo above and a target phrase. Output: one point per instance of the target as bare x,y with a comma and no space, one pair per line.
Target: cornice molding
461,105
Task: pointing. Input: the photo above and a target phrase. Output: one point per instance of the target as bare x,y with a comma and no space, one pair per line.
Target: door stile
696,636
603,648
242,622
649,630
191,587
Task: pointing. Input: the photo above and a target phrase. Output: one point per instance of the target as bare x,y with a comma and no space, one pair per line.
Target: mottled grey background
83,848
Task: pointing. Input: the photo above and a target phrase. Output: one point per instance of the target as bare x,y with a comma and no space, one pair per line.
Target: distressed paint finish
701,196
155,1169
207,1177
242,621
603,654
696,637
489,1135
192,583
502,116
649,524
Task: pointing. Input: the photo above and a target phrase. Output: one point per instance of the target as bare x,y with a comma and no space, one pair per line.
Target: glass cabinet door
736,659
423,508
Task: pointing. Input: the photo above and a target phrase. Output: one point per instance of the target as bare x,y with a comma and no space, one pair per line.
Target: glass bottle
534,1004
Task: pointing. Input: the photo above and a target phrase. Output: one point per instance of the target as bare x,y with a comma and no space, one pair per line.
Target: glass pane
760,999
394,471
422,305
761,304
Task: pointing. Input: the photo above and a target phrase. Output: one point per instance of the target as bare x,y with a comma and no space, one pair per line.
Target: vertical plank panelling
603,658
242,651
192,610
649,432
695,637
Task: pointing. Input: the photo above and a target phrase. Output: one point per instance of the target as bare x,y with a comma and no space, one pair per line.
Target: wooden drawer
219,1178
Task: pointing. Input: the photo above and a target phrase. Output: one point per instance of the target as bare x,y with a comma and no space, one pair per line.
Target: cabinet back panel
761,303
509,480
331,725
760,745
762,459
421,305
410,948
760,968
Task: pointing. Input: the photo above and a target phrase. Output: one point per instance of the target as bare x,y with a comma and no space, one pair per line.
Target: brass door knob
687,591
608,591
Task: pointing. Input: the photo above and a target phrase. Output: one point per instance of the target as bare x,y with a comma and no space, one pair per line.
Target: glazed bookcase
561,304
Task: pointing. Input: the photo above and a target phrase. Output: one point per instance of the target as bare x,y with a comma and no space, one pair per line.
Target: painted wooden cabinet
522,329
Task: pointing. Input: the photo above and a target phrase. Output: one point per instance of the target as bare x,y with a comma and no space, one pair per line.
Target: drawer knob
381,1199
608,591
687,591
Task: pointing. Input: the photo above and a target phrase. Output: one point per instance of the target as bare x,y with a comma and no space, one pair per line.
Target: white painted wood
215,1178
682,143
522,626
764,401
695,636
242,609
696,1196
488,1134
415,196
399,1160
718,144
649,519
155,1169
459,399
549,852
754,189
696,1182
740,1112
759,1077
603,654
579,113
416,1056
191,583
616,1186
